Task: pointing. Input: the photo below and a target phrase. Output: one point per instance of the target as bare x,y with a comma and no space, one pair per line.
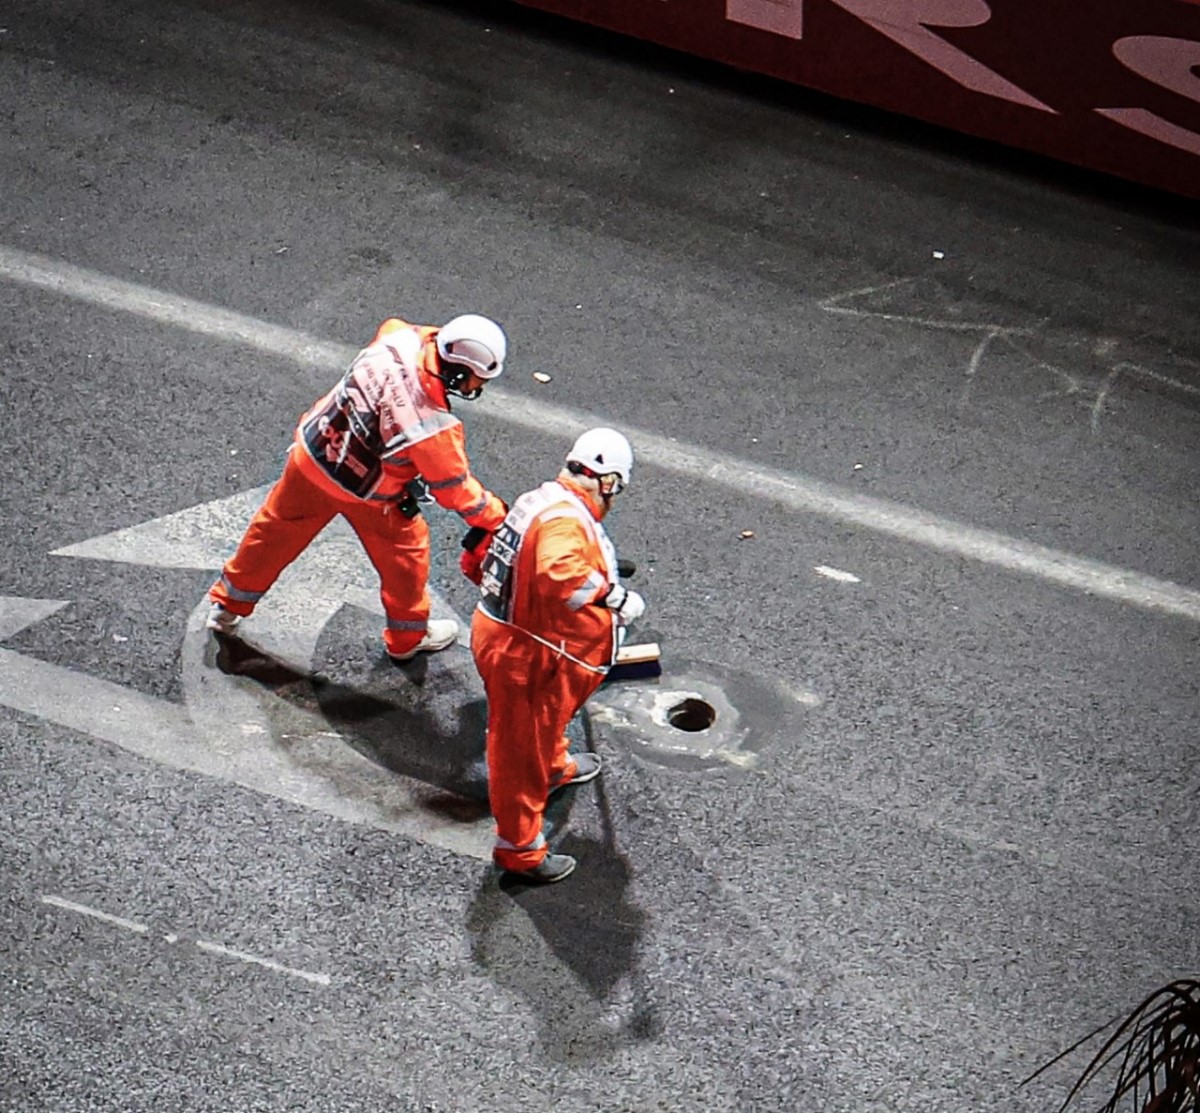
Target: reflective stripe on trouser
533,693
398,547
294,512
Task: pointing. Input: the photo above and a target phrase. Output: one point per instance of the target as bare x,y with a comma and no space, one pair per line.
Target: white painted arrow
232,727
150,727
199,537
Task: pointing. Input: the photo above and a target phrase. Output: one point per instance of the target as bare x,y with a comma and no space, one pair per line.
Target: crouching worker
543,636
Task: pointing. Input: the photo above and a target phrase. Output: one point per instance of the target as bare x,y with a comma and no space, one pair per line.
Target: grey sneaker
587,768
554,867
440,633
221,620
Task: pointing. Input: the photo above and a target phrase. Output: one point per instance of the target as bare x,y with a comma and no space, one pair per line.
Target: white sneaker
440,633
221,620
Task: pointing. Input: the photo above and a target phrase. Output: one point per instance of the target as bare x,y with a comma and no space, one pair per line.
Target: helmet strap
454,375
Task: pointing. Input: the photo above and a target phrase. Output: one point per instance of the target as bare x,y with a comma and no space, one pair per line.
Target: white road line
183,313
836,574
790,490
96,914
242,956
202,944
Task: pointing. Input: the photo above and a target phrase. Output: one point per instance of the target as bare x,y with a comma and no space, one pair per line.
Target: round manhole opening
692,715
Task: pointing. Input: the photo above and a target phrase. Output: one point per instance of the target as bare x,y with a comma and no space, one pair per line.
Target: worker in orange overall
549,624
367,450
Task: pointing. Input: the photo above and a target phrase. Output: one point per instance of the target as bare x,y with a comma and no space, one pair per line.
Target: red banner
1113,85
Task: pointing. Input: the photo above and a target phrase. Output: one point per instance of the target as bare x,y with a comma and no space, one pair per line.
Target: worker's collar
589,497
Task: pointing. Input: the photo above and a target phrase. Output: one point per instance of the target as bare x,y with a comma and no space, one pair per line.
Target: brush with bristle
635,662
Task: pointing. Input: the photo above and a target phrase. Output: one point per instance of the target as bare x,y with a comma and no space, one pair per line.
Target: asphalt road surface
914,511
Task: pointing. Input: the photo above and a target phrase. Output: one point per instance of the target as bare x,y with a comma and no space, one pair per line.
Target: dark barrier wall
1113,85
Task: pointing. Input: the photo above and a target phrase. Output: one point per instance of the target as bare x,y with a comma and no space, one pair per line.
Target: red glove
475,549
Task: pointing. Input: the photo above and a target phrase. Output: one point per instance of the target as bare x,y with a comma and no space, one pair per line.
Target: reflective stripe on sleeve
586,592
238,594
475,507
442,484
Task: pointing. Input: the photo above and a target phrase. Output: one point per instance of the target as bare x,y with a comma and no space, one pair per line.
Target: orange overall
385,424
543,642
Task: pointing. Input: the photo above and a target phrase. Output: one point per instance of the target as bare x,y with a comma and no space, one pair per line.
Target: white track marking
17,612
1102,396
980,349
149,727
793,491
202,944
836,574
222,731
324,773
96,914
155,305
242,956
1071,384
832,304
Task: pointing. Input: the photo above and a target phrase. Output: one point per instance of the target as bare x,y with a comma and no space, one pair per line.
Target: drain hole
692,715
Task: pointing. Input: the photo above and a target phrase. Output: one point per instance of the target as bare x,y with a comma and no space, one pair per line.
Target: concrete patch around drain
701,715
644,713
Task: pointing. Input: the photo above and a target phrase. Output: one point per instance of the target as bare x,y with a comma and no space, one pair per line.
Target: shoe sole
527,877
577,780
404,658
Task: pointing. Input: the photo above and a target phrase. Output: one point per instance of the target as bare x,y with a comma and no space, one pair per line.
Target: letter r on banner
904,22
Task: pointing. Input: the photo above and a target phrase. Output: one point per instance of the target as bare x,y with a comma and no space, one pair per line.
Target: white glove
632,609
629,605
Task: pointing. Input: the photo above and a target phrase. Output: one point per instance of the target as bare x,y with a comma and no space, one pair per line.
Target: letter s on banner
903,21
1168,63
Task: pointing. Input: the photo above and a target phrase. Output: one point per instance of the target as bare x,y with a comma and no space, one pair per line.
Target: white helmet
603,452
476,342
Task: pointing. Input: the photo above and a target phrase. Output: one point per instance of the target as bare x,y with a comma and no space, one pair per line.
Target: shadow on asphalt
439,744
444,752
588,923
571,950
568,948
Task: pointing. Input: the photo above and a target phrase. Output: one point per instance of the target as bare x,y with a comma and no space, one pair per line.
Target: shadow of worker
436,738
571,950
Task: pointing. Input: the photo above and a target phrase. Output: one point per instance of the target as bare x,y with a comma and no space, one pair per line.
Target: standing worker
544,634
380,437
